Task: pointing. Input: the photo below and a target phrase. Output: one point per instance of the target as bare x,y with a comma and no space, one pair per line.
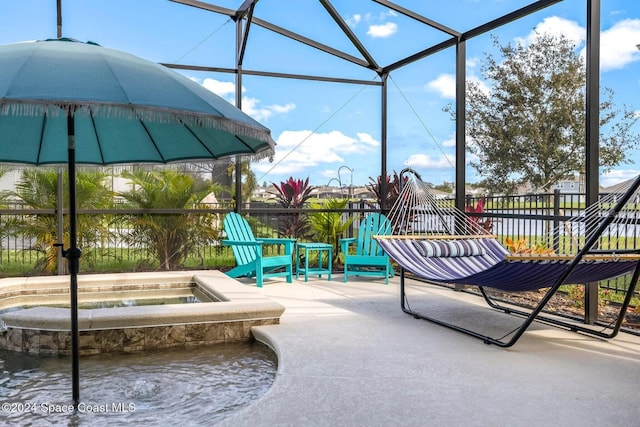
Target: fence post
556,222
591,293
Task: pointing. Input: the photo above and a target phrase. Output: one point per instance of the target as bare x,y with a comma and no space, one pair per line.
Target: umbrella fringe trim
53,108
227,160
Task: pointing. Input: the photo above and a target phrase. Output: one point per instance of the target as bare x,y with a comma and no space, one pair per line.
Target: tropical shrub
521,246
393,190
477,222
170,237
328,226
38,189
293,194
576,295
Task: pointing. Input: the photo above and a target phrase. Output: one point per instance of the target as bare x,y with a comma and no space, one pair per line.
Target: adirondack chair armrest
277,241
348,240
288,243
345,242
242,242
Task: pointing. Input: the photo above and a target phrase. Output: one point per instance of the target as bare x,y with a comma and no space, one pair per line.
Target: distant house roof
364,192
439,193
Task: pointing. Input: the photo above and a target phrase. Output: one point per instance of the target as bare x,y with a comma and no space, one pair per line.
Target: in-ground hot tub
233,310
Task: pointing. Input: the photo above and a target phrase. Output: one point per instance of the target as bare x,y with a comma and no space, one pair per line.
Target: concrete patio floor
348,356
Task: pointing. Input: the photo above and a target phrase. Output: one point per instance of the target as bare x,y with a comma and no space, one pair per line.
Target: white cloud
353,20
444,84
451,142
329,174
223,89
367,139
282,108
557,26
250,106
378,27
385,30
618,44
299,151
387,14
422,161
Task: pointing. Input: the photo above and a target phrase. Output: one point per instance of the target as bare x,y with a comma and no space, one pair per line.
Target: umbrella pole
73,260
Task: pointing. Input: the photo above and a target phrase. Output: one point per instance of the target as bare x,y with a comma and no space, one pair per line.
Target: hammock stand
468,255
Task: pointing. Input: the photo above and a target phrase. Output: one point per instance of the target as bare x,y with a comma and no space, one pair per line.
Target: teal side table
323,250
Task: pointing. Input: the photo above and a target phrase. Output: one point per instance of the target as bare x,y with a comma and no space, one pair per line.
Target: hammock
438,243
493,267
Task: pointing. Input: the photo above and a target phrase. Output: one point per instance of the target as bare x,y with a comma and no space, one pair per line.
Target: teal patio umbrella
68,102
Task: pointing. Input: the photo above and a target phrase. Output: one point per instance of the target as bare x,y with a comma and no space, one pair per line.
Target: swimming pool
197,386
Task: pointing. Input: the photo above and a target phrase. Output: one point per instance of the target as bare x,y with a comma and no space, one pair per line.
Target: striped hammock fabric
492,268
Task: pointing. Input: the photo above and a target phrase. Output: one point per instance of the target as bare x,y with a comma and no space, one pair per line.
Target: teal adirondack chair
248,252
367,258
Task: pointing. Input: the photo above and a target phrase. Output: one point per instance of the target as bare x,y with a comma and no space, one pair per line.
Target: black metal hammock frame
438,243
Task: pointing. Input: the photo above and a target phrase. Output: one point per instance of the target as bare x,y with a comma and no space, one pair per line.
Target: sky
331,132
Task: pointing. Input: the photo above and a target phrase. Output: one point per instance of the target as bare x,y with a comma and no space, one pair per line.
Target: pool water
132,302
126,298
186,386
187,294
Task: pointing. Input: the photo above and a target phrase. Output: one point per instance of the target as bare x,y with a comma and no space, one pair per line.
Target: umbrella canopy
63,101
126,109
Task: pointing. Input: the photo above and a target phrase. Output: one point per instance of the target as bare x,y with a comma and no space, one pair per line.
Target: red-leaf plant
293,194
476,222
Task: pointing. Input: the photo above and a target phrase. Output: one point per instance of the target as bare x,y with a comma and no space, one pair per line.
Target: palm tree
38,189
249,181
328,225
4,223
170,237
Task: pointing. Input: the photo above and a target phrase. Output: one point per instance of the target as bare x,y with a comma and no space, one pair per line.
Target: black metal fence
530,216
25,253
510,216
